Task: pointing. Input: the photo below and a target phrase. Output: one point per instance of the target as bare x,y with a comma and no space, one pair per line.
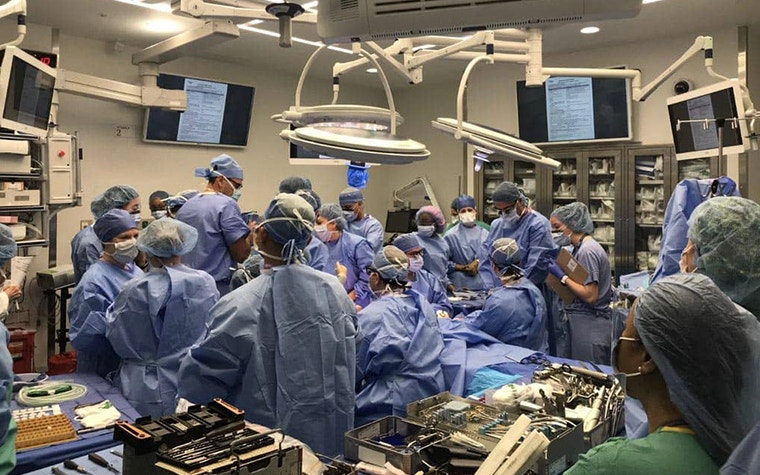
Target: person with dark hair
157,203
292,184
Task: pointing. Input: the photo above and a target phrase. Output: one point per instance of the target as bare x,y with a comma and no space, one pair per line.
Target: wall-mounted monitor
218,114
700,139
26,92
575,110
401,221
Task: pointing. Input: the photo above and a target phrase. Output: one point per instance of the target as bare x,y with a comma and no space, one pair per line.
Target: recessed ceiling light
161,7
650,1
163,26
372,70
590,30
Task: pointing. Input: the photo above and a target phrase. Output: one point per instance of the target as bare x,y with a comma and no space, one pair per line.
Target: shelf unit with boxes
527,176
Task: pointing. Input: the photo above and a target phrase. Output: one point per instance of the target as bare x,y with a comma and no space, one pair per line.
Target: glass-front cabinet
492,174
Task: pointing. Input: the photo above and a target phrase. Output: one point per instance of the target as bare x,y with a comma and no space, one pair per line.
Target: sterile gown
745,459
87,315
426,284
514,314
398,359
464,244
219,223
151,325
436,257
86,249
7,422
356,254
687,195
318,255
370,229
283,349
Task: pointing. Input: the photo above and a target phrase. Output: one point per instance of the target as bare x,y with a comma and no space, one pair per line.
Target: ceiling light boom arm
17,7
702,43
462,87
420,180
203,9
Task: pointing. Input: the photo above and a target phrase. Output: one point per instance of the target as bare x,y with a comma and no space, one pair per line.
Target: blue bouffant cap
112,224
221,165
350,196
407,242
464,201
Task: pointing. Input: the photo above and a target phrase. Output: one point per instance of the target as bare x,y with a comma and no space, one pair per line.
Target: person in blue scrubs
86,248
158,317
423,281
514,313
157,204
398,357
465,240
316,251
223,236
589,316
351,201
532,232
349,250
430,224
282,347
97,290
176,202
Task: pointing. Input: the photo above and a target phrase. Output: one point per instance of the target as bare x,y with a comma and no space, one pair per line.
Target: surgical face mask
158,214
510,218
350,216
237,191
614,358
426,231
237,194
415,263
468,219
136,216
125,251
561,239
323,234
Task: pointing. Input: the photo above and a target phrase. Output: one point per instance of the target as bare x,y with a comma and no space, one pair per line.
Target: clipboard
575,272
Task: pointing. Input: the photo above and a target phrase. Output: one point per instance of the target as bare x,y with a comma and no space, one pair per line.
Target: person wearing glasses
690,355
423,281
224,239
399,344
351,202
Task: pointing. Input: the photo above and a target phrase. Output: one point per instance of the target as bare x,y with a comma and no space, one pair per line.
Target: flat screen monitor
575,110
218,114
700,139
400,221
26,92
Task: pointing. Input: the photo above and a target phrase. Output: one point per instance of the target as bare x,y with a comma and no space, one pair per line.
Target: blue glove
555,270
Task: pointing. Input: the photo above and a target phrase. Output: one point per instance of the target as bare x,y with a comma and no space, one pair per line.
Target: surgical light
353,132
488,139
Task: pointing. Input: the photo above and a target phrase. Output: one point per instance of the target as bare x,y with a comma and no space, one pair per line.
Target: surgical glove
555,270
341,272
472,267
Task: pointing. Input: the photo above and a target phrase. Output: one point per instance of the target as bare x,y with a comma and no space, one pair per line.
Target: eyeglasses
235,184
348,207
506,209
415,254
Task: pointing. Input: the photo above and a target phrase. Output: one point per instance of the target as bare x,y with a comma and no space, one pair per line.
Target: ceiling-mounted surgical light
490,139
353,132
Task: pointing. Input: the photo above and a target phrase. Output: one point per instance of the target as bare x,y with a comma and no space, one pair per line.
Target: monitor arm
420,180
17,7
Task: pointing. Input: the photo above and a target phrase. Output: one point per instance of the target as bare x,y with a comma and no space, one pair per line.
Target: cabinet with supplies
528,177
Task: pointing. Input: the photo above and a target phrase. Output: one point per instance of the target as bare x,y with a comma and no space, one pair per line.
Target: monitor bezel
5,73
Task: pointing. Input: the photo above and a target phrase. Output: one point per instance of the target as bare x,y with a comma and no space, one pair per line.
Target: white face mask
323,234
426,231
415,263
136,216
561,239
125,251
468,219
158,214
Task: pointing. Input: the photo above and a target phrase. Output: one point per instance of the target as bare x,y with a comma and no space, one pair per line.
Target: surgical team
307,321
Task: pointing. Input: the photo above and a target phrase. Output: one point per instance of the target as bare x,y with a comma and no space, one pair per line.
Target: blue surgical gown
426,284
745,459
87,315
436,257
687,195
370,229
537,248
86,249
7,423
282,348
398,359
151,325
514,314
318,255
464,243
219,223
356,254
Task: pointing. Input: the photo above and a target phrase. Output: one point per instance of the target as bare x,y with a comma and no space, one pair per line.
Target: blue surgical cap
221,165
435,213
392,265
505,252
333,212
464,201
113,198
180,199
251,269
311,197
112,224
292,184
407,242
289,220
726,232
167,238
507,192
706,349
350,196
575,216
8,245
